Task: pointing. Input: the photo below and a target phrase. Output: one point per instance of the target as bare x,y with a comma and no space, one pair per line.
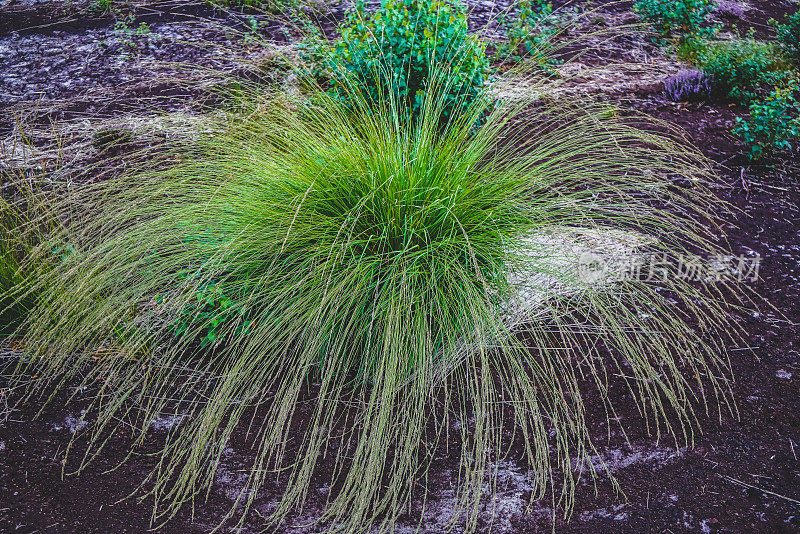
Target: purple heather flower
688,86
730,9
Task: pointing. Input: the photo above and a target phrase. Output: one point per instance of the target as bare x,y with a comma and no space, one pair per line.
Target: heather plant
378,286
773,125
675,17
688,86
789,35
742,69
393,52
730,9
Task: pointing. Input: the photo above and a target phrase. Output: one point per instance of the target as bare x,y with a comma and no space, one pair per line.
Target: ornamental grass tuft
352,289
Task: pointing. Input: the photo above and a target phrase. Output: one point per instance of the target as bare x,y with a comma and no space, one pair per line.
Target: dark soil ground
59,62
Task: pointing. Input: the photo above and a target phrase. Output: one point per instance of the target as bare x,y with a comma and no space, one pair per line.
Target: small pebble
784,375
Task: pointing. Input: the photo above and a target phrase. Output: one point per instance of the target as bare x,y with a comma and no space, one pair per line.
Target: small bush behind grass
773,125
277,6
528,32
675,17
12,310
690,48
24,224
789,35
372,255
743,69
392,53
100,6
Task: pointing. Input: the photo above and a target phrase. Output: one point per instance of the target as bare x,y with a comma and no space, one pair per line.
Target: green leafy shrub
392,53
15,274
127,32
528,32
681,17
789,35
376,261
773,125
690,48
100,6
742,69
267,5
213,310
11,312
317,54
